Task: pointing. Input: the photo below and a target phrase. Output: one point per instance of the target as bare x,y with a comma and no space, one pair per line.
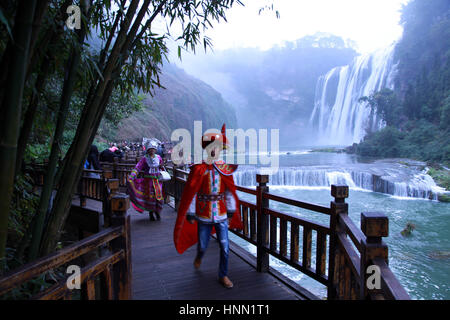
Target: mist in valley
275,88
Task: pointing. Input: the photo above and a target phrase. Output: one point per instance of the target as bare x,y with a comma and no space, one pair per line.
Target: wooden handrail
300,221
246,190
351,256
352,231
44,264
117,262
296,203
247,204
92,270
347,263
389,282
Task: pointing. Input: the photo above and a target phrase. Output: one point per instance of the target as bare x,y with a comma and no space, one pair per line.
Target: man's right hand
190,219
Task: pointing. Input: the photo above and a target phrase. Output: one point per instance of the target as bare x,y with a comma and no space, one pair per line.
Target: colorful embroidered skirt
145,194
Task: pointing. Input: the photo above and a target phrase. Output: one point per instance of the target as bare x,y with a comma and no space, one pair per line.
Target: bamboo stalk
30,113
47,189
86,130
41,9
11,111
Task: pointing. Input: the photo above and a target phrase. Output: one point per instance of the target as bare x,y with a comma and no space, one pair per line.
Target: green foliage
386,105
441,176
444,197
328,150
118,109
445,113
417,113
101,145
422,141
423,56
385,143
22,208
32,287
37,152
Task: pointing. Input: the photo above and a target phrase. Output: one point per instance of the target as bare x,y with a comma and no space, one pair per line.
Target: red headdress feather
224,136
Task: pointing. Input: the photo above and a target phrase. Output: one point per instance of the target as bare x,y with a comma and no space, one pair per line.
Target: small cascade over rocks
379,178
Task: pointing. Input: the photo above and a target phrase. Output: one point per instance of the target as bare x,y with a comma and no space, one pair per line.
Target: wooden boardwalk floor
160,273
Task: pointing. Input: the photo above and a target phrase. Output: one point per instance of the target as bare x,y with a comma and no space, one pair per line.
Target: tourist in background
92,162
146,192
108,155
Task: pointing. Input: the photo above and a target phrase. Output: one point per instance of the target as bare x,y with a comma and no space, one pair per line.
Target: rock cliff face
184,100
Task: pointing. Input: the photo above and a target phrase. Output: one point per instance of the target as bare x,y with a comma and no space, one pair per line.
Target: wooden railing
90,186
134,156
344,254
118,170
107,277
95,188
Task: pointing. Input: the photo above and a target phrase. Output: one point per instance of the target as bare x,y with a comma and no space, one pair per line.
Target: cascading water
418,185
338,116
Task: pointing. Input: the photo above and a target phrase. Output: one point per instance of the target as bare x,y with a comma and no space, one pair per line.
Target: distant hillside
184,100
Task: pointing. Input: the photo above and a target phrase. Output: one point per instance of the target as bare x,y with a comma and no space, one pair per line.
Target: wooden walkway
160,273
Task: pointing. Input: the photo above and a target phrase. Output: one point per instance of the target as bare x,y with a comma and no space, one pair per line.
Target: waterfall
306,177
420,186
338,116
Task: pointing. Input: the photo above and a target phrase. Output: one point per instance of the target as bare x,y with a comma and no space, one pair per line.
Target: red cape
185,234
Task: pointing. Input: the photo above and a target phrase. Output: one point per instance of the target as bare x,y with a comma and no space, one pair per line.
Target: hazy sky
371,23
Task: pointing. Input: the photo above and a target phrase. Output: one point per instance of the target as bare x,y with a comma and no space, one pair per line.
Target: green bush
441,177
386,143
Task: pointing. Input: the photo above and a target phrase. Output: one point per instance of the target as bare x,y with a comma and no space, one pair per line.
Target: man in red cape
209,204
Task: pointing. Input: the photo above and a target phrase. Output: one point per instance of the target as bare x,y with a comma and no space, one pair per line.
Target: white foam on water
421,185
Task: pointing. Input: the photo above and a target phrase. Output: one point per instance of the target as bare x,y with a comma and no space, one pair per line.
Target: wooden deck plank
160,273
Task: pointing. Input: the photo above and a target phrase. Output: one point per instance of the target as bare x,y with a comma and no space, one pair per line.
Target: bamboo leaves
79,81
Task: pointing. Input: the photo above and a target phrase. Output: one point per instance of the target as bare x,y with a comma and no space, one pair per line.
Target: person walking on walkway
146,192
209,203
92,162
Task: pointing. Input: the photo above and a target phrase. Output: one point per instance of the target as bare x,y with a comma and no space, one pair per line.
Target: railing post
111,188
262,230
81,187
107,174
374,225
338,207
176,196
115,163
122,271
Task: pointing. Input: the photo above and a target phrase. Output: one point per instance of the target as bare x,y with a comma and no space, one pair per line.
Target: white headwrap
150,144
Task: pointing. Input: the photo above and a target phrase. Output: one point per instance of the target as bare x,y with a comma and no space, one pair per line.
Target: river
421,261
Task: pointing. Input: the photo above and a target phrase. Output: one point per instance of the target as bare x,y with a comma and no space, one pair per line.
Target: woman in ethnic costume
146,192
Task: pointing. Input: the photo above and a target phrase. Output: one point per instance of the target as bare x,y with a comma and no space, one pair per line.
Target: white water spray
338,116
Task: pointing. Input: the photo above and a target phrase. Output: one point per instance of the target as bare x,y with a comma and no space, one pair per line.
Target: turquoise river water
421,262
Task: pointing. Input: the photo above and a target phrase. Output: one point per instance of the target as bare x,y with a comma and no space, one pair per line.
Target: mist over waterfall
338,116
